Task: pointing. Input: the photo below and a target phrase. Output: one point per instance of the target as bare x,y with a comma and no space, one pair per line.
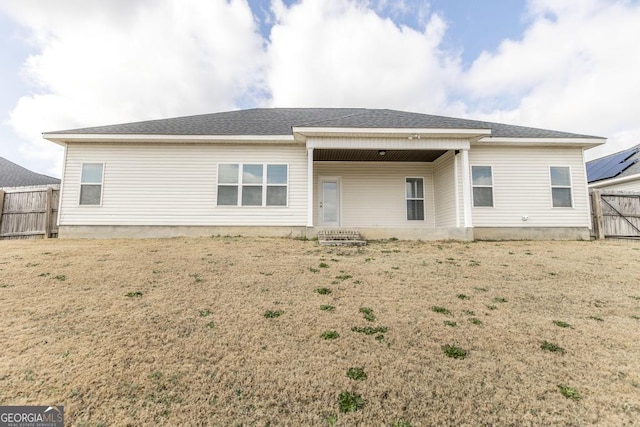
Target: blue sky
556,64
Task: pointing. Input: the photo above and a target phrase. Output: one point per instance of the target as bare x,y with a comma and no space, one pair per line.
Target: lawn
238,331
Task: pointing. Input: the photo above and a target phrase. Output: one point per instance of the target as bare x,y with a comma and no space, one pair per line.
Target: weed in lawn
475,321
196,277
569,392
5,285
322,291
441,310
596,318
211,325
369,259
61,277
133,294
635,297
329,335
32,264
357,374
350,402
331,420
204,313
473,263
454,352
450,323
44,274
492,307
469,312
369,330
481,289
324,265
368,314
344,277
314,270
561,324
401,423
633,316
463,296
549,346
327,308
379,337
272,314
499,299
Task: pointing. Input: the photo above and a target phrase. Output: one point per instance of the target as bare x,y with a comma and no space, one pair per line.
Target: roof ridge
360,113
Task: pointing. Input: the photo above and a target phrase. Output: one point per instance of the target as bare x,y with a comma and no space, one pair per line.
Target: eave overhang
301,133
64,138
584,143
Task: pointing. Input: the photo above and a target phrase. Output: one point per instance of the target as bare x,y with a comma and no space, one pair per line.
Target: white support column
456,176
466,189
309,187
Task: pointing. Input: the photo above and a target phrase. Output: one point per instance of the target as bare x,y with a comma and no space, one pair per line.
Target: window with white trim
415,199
91,183
252,184
560,186
482,183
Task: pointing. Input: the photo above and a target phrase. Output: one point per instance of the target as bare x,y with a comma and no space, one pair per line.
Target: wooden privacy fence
29,214
615,214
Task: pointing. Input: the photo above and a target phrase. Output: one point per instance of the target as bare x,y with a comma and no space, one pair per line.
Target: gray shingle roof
616,165
279,121
12,175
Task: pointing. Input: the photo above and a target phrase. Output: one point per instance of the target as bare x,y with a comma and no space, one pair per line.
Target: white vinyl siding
445,191
521,187
167,184
373,193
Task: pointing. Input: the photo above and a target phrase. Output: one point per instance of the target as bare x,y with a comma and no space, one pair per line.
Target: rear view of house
295,172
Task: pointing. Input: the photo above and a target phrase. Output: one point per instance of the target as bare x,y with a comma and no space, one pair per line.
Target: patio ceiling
374,155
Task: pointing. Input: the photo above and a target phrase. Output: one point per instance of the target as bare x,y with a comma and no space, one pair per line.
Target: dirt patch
229,331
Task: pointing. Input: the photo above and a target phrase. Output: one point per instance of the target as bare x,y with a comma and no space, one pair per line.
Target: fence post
598,219
48,213
1,207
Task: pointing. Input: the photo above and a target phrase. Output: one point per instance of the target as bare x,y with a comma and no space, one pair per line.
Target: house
298,171
14,177
619,171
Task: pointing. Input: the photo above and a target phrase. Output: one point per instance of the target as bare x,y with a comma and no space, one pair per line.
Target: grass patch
367,313
322,291
499,299
272,314
350,402
475,321
492,307
324,265
469,312
463,296
329,335
133,294
205,313
569,392
344,277
561,324
596,318
357,374
450,323
441,310
314,270
481,289
401,423
327,308
61,277
454,352
549,346
369,330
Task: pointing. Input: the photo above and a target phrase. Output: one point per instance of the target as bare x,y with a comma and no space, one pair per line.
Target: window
561,186
91,184
253,184
482,182
415,199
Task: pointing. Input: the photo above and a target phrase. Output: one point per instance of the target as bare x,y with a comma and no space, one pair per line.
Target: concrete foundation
532,233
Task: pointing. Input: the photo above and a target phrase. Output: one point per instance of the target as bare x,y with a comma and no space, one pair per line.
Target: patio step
340,238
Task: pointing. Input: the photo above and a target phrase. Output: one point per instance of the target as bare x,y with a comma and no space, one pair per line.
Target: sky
555,64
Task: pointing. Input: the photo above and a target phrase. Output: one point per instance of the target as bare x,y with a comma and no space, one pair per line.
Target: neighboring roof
616,165
12,175
280,121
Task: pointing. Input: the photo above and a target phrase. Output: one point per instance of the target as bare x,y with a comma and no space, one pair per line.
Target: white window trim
423,198
264,185
91,183
570,187
492,186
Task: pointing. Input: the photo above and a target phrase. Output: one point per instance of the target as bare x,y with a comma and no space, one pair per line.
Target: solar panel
610,166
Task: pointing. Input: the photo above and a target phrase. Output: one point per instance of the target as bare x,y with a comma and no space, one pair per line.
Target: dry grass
191,345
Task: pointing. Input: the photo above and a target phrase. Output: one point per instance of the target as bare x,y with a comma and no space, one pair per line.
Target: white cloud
576,68
341,53
109,62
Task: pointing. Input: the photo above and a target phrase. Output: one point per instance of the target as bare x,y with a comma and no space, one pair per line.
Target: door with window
329,201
